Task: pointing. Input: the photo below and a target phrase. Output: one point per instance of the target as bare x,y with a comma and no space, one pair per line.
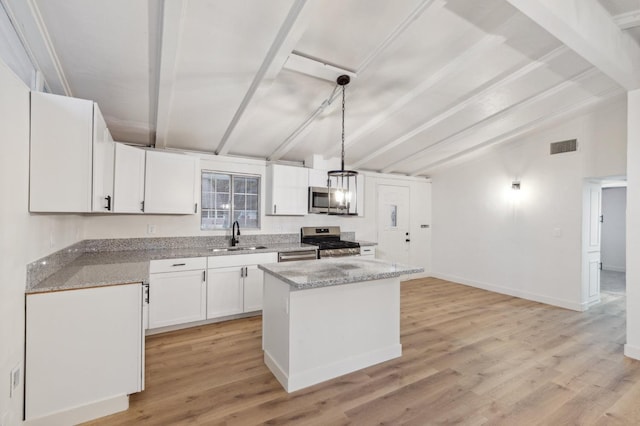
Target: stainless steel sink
215,250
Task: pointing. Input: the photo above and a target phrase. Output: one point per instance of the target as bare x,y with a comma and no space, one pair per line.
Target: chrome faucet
235,240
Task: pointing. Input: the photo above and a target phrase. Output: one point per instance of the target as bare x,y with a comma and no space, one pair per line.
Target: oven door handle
292,256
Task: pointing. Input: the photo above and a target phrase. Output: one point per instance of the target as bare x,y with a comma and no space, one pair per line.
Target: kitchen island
328,317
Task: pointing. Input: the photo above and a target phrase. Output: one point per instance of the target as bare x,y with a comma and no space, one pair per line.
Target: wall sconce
515,185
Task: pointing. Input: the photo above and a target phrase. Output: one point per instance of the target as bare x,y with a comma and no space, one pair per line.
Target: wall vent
564,146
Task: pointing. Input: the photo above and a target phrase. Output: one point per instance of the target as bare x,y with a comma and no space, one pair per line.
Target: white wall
25,237
613,248
526,244
632,348
128,226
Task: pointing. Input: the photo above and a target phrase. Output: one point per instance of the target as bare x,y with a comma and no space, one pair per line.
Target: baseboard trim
632,351
83,413
313,376
580,307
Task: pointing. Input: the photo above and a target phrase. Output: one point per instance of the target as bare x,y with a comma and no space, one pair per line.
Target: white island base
315,334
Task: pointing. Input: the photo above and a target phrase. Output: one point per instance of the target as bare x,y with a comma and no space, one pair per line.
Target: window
227,197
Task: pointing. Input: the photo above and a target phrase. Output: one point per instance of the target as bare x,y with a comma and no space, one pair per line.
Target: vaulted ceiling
432,80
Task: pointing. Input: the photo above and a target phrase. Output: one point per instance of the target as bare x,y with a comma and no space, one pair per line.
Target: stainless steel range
328,241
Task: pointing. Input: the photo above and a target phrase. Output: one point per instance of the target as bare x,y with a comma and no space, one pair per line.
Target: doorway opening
613,240
604,240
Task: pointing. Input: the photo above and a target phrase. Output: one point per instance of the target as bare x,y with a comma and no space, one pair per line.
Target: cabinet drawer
367,251
180,264
242,259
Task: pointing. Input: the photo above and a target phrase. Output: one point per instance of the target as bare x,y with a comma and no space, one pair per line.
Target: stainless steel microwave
323,200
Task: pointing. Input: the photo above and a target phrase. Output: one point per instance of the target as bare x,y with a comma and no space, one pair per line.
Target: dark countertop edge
330,283
149,255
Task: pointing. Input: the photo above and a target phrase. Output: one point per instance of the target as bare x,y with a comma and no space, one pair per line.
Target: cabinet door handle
241,272
147,293
179,264
246,271
108,198
204,276
275,209
142,206
195,209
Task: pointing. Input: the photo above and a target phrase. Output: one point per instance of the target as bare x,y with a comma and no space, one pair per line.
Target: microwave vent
564,146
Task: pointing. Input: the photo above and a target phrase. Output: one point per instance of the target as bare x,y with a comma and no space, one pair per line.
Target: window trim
231,194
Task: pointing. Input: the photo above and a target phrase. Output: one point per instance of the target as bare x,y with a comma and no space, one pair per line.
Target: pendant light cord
342,157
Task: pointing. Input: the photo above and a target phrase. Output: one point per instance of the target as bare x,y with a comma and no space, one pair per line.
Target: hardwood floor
469,356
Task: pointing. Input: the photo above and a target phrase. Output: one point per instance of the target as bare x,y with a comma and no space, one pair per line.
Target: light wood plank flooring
469,356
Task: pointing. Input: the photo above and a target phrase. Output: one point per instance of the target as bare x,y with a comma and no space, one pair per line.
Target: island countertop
335,271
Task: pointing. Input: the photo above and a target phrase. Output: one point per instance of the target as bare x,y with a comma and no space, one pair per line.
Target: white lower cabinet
177,291
84,348
225,292
235,283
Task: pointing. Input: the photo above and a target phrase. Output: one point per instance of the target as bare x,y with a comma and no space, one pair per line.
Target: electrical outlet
151,229
14,380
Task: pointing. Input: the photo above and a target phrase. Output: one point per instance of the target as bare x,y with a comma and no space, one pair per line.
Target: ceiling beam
155,19
34,36
628,20
460,62
173,17
294,138
267,64
551,91
587,28
548,119
468,100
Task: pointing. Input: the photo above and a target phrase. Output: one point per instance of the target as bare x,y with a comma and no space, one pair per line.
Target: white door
592,212
393,224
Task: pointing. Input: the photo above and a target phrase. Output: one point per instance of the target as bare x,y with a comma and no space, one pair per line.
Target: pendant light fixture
343,184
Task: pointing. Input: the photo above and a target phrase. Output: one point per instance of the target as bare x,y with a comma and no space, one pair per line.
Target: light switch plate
14,380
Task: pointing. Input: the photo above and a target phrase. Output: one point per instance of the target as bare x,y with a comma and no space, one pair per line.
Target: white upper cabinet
128,191
170,183
287,190
61,154
103,164
318,178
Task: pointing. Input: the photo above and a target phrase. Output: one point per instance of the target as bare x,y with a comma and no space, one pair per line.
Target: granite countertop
334,271
102,268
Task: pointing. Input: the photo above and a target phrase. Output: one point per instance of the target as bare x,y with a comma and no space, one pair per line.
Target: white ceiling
434,80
